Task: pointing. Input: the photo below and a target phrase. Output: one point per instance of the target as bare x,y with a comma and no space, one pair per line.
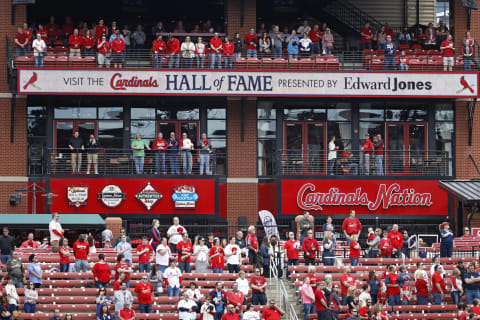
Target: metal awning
467,191
41,221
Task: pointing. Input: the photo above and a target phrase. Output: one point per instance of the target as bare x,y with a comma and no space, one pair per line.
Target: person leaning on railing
92,154
39,49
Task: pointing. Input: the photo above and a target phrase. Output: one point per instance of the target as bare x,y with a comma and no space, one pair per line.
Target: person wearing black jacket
76,147
6,246
238,46
92,154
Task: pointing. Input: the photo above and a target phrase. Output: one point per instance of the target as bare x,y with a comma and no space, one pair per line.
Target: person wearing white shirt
186,147
200,49
187,308
194,293
173,279
243,284
39,48
234,255
364,296
436,261
201,251
174,234
188,53
107,235
305,28
12,295
56,232
250,314
332,156
208,309
162,255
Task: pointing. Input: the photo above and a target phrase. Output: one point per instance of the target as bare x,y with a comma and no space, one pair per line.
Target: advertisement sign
184,196
77,196
136,196
396,197
254,83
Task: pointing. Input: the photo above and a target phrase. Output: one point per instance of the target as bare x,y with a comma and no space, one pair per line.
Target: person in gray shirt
277,41
120,297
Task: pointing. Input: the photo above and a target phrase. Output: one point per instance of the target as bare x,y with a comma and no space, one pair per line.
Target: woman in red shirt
104,51
101,272
228,49
88,43
64,252
378,313
422,289
124,267
354,250
217,256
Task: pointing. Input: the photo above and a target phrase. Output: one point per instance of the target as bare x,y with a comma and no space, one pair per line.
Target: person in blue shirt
34,271
114,35
472,279
374,284
389,47
125,248
403,276
293,41
172,152
446,240
328,255
353,315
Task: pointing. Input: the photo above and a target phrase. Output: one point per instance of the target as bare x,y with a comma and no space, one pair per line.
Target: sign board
251,83
396,197
77,195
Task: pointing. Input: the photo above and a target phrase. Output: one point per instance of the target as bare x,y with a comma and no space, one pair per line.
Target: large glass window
444,135
75,113
339,124
110,133
36,121
267,135
217,136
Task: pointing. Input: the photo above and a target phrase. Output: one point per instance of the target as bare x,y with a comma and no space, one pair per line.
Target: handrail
281,292
351,15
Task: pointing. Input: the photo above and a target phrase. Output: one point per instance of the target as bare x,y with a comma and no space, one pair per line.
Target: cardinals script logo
31,82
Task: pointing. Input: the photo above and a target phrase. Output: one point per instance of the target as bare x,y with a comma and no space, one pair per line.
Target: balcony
114,162
422,163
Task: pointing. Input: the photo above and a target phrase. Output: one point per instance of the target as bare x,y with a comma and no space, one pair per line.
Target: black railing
351,15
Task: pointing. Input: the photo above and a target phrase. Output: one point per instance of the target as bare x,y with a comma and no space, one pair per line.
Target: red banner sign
132,193
364,196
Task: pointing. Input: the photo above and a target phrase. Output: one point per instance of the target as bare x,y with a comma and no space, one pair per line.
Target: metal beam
471,111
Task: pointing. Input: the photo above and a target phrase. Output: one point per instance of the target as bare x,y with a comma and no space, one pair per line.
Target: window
339,117
110,133
217,136
114,113
266,136
36,121
75,113
444,135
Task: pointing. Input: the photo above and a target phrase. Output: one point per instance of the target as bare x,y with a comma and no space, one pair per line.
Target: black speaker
242,221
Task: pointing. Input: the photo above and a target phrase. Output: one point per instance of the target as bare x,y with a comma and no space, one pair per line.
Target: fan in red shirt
393,288
346,281
258,283
100,29
160,145
118,46
144,290
367,36
321,303
448,51
235,296
216,50
364,310
316,36
159,48
81,248
252,245
29,34
310,247
75,42
355,248
438,285
52,30
396,240
124,267
462,313
103,47
185,251
351,225
30,242
21,42
126,313
145,255
88,43
251,40
173,51
291,246
64,252
272,312
101,272
217,256
422,289
42,32
67,28
228,49
385,246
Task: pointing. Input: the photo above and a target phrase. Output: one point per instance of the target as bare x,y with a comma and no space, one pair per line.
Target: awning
41,221
467,191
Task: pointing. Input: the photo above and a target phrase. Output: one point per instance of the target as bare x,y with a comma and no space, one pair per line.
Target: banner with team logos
247,83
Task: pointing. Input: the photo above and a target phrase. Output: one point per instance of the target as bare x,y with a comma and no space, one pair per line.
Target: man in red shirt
252,245
367,148
291,247
42,32
438,285
364,310
235,297
272,312
448,50
396,240
393,288
126,313
29,34
145,255
100,29
231,314
75,42
351,225
173,52
21,43
101,272
258,283
80,251
159,47
310,247
52,30
321,303
228,49
367,36
30,242
118,46
185,251
346,281
160,145
67,30
216,45
64,252
316,36
144,290
251,40
385,246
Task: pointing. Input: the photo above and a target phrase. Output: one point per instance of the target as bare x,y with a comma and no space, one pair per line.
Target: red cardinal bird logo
465,85
31,82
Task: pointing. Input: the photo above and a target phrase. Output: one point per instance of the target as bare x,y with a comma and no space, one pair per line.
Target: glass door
395,149
315,147
417,147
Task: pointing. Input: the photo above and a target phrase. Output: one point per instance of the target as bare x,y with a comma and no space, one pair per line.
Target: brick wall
460,18
464,166
232,14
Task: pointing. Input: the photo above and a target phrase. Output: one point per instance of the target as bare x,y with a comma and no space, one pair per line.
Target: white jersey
187,315
175,233
162,259
54,226
173,276
236,256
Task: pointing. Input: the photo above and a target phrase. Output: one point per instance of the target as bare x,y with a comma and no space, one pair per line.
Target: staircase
293,299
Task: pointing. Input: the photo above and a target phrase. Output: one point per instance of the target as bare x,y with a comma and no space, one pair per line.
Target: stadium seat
253,63
49,61
279,63
62,62
24,62
404,47
293,64
76,62
306,64
267,63
89,62
240,63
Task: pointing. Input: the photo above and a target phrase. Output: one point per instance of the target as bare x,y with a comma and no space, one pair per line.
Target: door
304,148
406,148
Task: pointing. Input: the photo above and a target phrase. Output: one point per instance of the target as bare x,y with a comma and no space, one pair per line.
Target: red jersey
63,259
217,44
42,33
463,316
116,285
75,42
421,287
351,226
476,310
385,247
118,45
315,35
159,46
217,261
145,257
251,41
104,48
102,272
448,51
396,239
319,296
310,247
81,250
52,30
88,42
363,311
252,241
123,266
29,244
258,281
28,33
235,298
21,38
437,279
127,314
160,144
228,49
271,314
354,253
173,46
144,293
348,279
185,248
392,279
406,292
312,278
367,146
291,248
99,30
67,28
366,32
230,316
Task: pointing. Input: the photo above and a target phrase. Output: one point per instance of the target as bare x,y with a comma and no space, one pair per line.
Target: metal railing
390,162
418,60
351,15
121,161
